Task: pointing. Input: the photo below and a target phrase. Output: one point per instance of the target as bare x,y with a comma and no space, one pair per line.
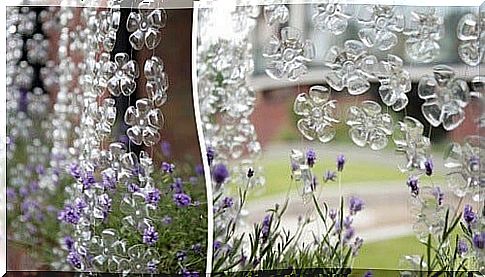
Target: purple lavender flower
150,236
356,247
133,188
217,245
479,240
468,215
355,205
211,153
199,170
80,204
88,180
250,173
368,274
187,273
166,220
151,267
68,242
428,165
39,169
181,255
193,180
329,176
197,248
105,202
166,148
349,234
333,214
340,162
413,185
462,247
294,166
75,171
153,196
69,215
23,191
265,229
168,167
348,222
11,195
311,157
439,195
74,260
220,174
181,199
177,186
227,202
109,181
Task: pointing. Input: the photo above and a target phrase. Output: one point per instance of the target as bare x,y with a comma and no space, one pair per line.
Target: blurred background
386,223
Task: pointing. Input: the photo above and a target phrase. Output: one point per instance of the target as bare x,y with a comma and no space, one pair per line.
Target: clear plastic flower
122,74
111,157
105,117
106,248
109,23
409,140
445,97
395,83
318,113
276,14
157,81
24,75
350,66
238,102
95,82
429,213
26,21
380,23
471,33
332,17
466,163
139,215
38,48
424,30
145,121
139,258
145,25
369,126
287,57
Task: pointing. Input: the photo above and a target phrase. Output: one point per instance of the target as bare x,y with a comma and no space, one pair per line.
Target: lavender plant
452,239
270,246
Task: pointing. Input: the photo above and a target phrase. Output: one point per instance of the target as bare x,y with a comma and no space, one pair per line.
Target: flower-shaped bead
424,31
286,58
145,122
145,26
331,17
122,74
276,13
318,113
109,23
409,140
106,248
467,167
445,97
38,49
369,126
381,22
139,215
429,213
351,67
395,83
142,259
157,81
471,34
105,117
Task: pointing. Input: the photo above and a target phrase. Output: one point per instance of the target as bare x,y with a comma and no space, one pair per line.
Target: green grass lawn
387,253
